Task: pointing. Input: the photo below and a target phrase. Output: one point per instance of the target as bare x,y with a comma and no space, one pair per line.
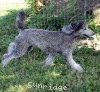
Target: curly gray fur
52,42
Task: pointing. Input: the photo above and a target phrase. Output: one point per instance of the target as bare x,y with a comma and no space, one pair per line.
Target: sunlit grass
6,5
7,76
17,88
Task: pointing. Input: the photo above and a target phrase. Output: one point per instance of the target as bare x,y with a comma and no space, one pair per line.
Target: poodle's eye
85,29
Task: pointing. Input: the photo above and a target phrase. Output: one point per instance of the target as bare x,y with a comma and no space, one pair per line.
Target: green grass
21,73
6,5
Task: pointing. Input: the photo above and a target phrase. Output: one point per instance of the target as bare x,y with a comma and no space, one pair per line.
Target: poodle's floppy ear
67,29
74,27
78,25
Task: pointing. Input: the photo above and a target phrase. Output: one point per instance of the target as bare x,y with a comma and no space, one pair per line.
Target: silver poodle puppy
52,42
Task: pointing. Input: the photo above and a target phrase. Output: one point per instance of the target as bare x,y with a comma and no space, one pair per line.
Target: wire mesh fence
55,10
61,12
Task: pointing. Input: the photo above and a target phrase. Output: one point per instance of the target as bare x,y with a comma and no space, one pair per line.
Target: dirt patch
93,43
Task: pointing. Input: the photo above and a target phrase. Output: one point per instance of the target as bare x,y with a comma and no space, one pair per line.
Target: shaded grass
19,73
29,68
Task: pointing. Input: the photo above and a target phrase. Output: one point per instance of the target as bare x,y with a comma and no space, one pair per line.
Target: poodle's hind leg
9,55
6,59
14,51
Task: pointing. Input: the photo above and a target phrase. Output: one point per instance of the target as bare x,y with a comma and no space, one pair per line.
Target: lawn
27,74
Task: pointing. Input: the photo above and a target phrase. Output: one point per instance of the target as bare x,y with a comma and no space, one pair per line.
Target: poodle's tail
20,19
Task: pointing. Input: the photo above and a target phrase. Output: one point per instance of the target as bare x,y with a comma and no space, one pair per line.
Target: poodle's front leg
49,59
68,57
